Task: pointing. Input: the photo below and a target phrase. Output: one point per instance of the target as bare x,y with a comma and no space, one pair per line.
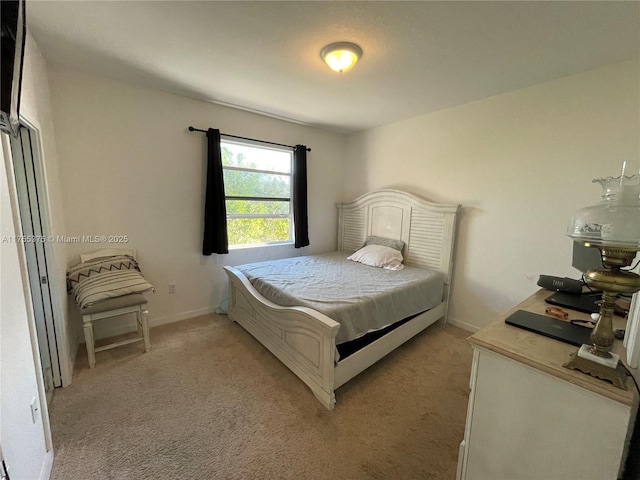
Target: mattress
360,298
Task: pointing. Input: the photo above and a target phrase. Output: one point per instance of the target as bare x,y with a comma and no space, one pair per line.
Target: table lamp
613,227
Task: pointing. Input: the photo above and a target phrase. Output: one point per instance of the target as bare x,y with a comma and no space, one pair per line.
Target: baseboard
47,465
73,354
156,321
114,328
463,325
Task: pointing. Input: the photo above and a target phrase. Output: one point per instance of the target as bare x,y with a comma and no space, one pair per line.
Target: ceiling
419,57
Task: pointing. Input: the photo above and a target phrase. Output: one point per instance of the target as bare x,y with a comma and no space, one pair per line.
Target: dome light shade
615,221
341,56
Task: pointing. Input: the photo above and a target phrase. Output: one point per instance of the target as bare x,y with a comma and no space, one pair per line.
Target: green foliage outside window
245,231
256,229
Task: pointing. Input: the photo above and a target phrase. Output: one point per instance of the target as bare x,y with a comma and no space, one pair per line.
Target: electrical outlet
172,288
35,409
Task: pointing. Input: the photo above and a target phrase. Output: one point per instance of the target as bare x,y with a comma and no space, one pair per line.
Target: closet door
34,241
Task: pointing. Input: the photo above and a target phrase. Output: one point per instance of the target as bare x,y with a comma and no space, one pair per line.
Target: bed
304,339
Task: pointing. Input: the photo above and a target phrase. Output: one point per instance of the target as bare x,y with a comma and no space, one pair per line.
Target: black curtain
215,210
300,216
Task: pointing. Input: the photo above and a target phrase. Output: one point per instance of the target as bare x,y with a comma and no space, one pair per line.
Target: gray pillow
387,242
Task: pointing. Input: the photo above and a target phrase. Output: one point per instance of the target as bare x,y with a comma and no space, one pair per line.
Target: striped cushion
104,278
84,270
109,284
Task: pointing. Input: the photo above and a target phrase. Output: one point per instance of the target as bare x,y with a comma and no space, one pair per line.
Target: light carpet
210,402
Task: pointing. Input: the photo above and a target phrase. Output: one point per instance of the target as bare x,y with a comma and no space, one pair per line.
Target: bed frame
304,339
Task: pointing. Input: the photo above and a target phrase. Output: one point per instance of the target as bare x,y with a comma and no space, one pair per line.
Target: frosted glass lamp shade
342,56
615,221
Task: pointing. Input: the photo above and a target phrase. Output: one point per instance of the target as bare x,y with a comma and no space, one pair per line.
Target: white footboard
303,339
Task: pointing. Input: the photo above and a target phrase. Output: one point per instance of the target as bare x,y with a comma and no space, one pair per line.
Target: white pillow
378,256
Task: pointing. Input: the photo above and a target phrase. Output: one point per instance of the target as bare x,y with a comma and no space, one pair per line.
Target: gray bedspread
359,297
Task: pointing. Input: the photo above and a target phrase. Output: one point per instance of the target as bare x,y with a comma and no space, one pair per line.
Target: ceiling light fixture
341,56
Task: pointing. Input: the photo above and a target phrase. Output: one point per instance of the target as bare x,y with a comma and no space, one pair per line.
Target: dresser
531,418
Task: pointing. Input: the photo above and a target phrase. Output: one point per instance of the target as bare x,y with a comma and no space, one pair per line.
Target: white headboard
428,229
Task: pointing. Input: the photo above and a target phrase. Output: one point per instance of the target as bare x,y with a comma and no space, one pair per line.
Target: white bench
135,303
114,307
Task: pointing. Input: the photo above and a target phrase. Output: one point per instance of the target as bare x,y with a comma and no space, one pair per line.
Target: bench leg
144,320
88,339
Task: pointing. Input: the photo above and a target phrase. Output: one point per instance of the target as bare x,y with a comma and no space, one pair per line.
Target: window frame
231,216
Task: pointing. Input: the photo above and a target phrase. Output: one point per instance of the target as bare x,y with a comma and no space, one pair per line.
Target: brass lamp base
612,281
617,376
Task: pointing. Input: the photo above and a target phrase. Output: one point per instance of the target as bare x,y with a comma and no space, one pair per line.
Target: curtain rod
192,129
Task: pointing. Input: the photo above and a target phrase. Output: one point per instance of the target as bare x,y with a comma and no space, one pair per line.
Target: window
257,184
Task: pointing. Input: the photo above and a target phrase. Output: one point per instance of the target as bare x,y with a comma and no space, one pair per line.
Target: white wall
128,166
520,164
